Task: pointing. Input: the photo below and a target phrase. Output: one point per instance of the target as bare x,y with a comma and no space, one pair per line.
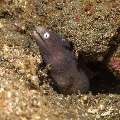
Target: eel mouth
37,33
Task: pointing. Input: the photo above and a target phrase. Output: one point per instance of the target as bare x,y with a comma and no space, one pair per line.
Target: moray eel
64,72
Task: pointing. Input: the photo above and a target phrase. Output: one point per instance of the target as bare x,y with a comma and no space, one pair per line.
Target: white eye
46,35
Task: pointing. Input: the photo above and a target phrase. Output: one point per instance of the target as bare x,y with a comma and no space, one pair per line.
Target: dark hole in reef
103,80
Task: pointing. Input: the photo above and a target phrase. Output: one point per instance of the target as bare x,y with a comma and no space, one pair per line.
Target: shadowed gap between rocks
102,79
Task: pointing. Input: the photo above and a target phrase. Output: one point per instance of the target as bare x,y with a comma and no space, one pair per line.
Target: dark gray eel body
56,52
